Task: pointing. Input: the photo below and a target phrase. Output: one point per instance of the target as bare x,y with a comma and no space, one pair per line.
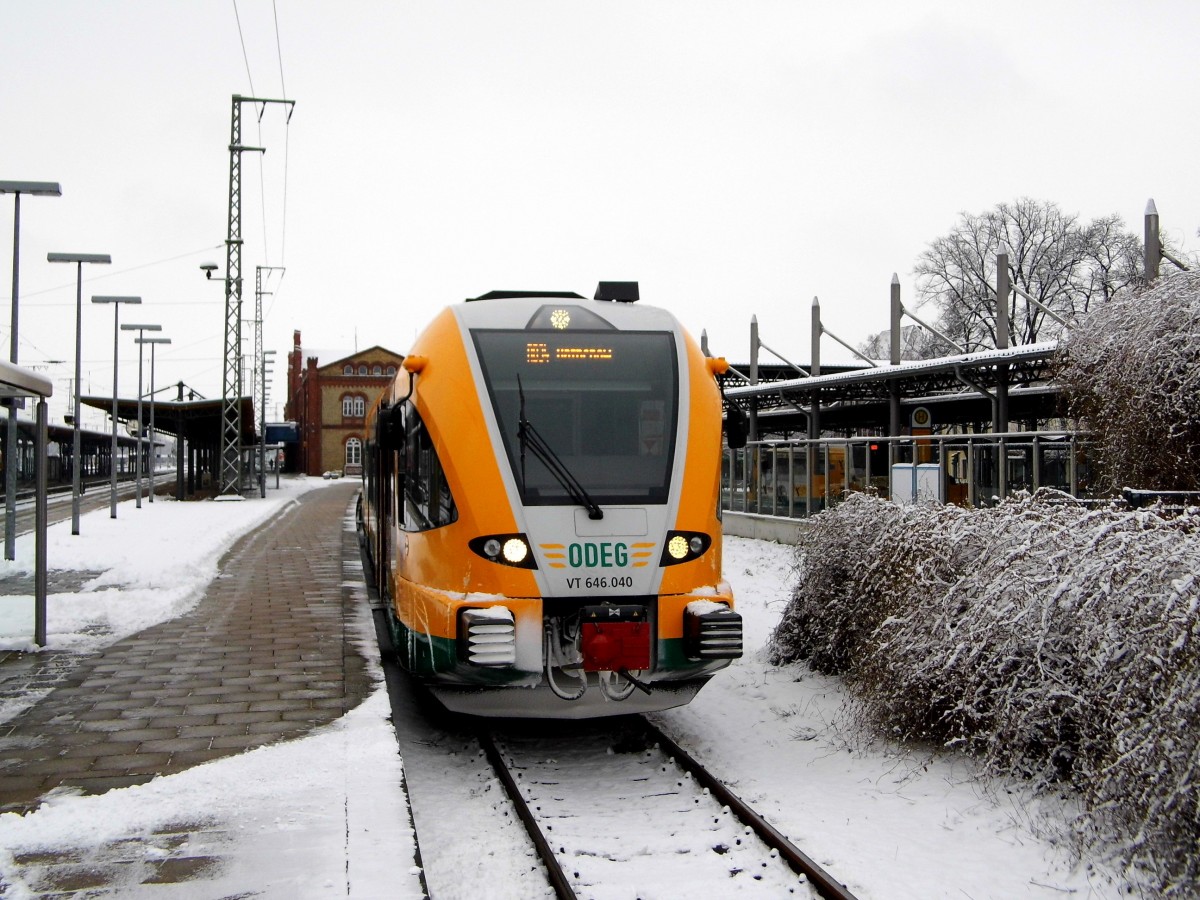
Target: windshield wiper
529,437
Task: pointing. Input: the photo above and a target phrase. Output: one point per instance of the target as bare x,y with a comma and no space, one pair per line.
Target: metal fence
801,477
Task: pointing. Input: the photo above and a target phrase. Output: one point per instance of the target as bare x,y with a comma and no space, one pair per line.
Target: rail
801,863
821,881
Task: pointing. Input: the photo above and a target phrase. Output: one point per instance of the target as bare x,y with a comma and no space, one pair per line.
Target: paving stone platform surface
267,655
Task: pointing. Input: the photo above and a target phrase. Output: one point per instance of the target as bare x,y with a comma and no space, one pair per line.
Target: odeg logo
603,555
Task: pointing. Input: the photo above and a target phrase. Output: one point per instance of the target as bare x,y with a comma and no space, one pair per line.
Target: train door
384,501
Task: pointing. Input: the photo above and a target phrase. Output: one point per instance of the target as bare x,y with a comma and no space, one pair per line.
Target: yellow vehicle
539,503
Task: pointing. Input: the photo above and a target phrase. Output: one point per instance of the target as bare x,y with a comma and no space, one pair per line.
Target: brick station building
329,401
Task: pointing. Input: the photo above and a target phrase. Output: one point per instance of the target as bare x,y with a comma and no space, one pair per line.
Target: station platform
268,655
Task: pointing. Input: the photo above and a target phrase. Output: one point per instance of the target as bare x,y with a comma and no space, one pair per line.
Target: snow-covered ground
326,815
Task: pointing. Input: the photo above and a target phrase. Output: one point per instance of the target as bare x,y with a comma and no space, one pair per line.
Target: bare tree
915,343
1065,264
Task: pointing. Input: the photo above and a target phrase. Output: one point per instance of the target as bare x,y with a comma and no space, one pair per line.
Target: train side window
428,503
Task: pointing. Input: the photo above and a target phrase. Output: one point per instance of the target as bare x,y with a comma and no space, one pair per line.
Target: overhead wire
262,191
261,169
242,38
101,276
287,130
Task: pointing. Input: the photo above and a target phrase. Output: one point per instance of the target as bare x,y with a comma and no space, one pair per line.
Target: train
540,507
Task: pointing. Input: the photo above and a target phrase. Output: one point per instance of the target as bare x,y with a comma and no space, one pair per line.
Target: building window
391,370
353,452
378,370
354,406
349,370
362,370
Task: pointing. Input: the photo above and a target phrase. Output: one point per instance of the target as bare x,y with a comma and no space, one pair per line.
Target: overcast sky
735,158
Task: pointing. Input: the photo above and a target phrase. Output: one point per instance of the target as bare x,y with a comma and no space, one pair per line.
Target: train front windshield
604,402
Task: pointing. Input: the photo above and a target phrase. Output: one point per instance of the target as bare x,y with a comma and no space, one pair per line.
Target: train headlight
505,549
684,546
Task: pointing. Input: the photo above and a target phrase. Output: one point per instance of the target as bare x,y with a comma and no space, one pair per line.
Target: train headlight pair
505,549
684,546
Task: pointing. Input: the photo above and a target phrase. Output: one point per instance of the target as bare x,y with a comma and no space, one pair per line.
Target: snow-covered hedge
1052,641
1131,370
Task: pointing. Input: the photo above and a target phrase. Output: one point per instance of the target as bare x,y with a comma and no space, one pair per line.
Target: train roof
616,291
535,311
512,295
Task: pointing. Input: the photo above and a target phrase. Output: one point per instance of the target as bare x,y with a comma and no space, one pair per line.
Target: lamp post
141,330
76,458
268,358
16,188
153,452
116,305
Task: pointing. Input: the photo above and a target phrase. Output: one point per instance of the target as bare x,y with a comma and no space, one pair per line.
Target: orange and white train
540,504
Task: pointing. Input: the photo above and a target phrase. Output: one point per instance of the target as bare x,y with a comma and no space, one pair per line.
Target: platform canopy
192,420
958,386
18,382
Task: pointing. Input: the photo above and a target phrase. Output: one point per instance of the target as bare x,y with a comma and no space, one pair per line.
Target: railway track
614,809
97,496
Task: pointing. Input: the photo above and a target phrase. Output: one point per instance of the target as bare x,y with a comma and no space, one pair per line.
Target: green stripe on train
426,656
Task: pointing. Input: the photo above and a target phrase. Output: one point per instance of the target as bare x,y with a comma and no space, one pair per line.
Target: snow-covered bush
1050,640
1131,369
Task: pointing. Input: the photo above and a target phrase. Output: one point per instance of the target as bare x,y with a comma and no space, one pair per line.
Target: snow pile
1051,641
1132,371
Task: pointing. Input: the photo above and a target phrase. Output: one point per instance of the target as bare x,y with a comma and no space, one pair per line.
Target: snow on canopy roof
18,382
1022,353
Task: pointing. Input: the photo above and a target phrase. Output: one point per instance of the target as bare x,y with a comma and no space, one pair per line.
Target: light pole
153,452
116,305
76,458
140,329
16,188
268,358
